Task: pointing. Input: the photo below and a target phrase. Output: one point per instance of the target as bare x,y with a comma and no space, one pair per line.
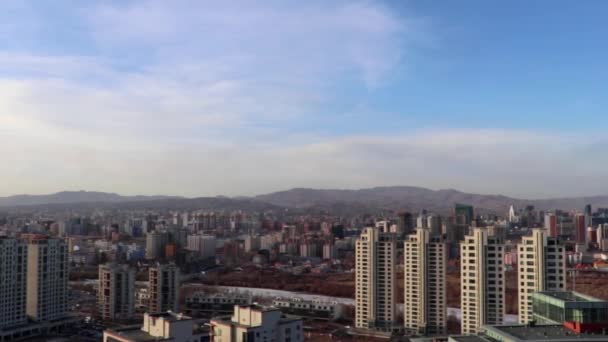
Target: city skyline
199,98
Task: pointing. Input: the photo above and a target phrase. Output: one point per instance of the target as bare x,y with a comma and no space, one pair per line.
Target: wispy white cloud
202,98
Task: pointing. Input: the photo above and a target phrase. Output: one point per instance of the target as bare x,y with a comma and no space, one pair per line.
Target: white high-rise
13,270
375,279
482,299
542,267
425,283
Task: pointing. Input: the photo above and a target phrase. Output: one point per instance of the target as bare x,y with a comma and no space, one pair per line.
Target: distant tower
464,213
512,215
551,224
580,228
155,245
405,223
375,280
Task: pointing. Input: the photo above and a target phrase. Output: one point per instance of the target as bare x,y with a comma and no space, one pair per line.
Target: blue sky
244,97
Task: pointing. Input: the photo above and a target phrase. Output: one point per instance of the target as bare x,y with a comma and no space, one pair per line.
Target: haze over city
201,98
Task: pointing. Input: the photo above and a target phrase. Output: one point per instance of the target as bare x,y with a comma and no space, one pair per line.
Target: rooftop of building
552,332
258,307
467,338
227,319
133,333
170,316
569,296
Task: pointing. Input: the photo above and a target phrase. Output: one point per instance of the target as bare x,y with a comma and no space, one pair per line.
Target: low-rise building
309,308
579,312
520,333
256,323
166,327
206,304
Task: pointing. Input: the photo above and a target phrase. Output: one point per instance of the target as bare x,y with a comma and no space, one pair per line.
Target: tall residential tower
13,271
163,287
375,279
425,283
116,291
482,281
542,267
47,278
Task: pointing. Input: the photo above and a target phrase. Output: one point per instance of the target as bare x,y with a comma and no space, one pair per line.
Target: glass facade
558,307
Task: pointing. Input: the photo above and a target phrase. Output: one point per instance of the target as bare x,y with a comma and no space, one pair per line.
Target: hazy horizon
240,98
289,189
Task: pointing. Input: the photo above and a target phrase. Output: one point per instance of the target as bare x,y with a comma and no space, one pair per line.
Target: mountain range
392,198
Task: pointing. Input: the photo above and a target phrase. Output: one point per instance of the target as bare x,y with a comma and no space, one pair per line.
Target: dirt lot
343,285
336,285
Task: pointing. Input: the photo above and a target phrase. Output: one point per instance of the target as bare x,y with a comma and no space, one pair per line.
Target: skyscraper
482,273
163,287
13,270
375,279
425,283
580,228
542,267
47,277
464,213
405,222
116,291
155,244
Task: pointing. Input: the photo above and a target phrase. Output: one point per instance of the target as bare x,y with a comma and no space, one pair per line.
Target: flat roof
258,307
134,333
467,338
569,296
552,332
170,316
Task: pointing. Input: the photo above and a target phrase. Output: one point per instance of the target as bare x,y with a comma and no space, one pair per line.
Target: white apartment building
256,323
116,292
163,287
375,280
425,283
482,274
542,267
13,271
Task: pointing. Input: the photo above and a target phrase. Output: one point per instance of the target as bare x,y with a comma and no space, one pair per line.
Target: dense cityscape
96,272
290,171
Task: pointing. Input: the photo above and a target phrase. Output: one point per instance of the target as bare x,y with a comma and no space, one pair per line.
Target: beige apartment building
375,279
482,281
256,323
164,326
163,287
425,283
47,278
116,293
541,267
